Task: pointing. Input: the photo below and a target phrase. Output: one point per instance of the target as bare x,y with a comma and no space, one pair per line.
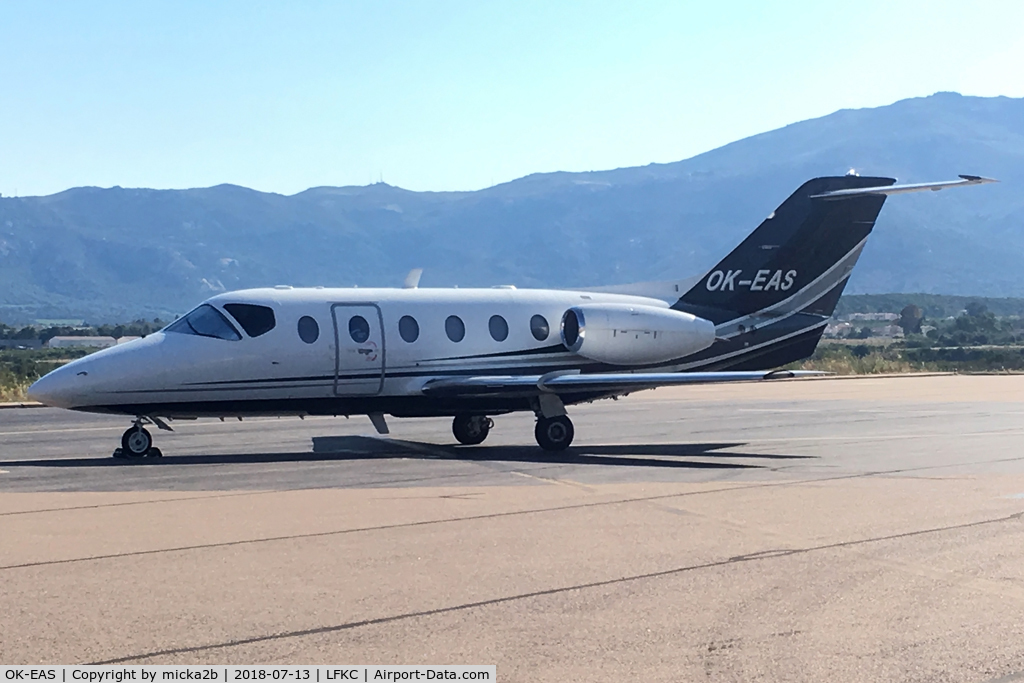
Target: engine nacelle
623,334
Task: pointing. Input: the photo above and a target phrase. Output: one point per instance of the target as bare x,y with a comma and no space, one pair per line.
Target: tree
975,309
910,319
860,350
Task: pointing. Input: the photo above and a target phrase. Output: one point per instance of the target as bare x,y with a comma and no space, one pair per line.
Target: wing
611,383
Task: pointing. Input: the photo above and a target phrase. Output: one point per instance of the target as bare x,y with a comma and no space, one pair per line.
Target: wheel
136,442
554,433
470,430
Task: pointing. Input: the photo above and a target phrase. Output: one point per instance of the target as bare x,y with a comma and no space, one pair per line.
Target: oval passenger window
358,329
498,328
455,328
408,328
309,330
539,327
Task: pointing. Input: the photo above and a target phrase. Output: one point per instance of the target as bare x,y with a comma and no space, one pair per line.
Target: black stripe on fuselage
544,350
751,350
777,343
723,354
235,385
372,374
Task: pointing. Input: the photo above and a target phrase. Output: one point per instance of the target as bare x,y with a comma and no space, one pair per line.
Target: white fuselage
502,331
474,353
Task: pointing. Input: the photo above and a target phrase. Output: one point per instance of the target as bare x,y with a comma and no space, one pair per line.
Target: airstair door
359,349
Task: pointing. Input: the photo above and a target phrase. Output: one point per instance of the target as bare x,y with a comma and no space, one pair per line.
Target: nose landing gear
137,442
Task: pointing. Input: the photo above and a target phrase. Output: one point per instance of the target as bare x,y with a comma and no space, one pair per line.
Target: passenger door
359,349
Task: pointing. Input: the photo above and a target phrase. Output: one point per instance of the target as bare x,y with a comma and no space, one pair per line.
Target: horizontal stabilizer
597,382
964,181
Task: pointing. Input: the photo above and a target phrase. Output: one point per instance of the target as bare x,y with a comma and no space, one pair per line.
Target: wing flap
566,383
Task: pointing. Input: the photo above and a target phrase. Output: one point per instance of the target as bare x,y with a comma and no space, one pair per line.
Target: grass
20,367
870,359
872,364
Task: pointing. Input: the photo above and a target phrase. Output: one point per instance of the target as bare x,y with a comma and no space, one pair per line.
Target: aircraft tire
554,433
470,430
136,442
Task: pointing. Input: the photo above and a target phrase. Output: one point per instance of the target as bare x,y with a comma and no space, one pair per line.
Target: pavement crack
470,518
751,557
785,552
156,501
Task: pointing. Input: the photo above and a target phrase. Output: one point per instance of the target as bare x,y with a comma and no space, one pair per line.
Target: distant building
890,331
873,316
20,344
834,330
124,340
90,342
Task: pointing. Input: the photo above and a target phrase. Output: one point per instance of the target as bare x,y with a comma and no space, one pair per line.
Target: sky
285,96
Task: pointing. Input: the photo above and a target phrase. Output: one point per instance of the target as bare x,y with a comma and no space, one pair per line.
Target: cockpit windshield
255,320
205,321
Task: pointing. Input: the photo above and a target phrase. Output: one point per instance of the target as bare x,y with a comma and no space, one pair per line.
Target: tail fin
798,259
772,296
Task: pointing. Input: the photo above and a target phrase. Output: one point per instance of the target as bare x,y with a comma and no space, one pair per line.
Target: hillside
115,254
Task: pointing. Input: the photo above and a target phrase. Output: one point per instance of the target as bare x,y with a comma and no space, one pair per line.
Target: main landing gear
554,430
470,430
554,433
137,442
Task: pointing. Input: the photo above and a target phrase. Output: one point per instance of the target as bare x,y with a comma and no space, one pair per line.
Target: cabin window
539,327
358,329
408,328
498,328
255,320
205,321
309,330
455,328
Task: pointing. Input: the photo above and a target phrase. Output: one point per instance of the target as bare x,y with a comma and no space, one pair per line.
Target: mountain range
117,253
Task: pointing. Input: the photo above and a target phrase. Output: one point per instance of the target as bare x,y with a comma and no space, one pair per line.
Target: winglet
412,280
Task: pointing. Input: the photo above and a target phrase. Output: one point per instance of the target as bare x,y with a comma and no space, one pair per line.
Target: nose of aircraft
103,376
58,388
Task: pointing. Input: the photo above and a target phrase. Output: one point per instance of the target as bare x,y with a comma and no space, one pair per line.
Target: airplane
471,354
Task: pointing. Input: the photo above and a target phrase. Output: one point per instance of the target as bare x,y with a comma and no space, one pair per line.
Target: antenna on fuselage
412,280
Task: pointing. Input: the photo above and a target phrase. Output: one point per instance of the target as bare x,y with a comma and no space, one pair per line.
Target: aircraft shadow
361,448
642,455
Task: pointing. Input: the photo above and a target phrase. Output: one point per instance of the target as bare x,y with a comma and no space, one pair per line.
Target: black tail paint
798,243
772,296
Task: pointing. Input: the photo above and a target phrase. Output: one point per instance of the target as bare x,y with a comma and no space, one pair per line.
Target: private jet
472,354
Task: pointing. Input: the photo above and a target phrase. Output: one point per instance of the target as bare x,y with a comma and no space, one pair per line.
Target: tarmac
856,530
